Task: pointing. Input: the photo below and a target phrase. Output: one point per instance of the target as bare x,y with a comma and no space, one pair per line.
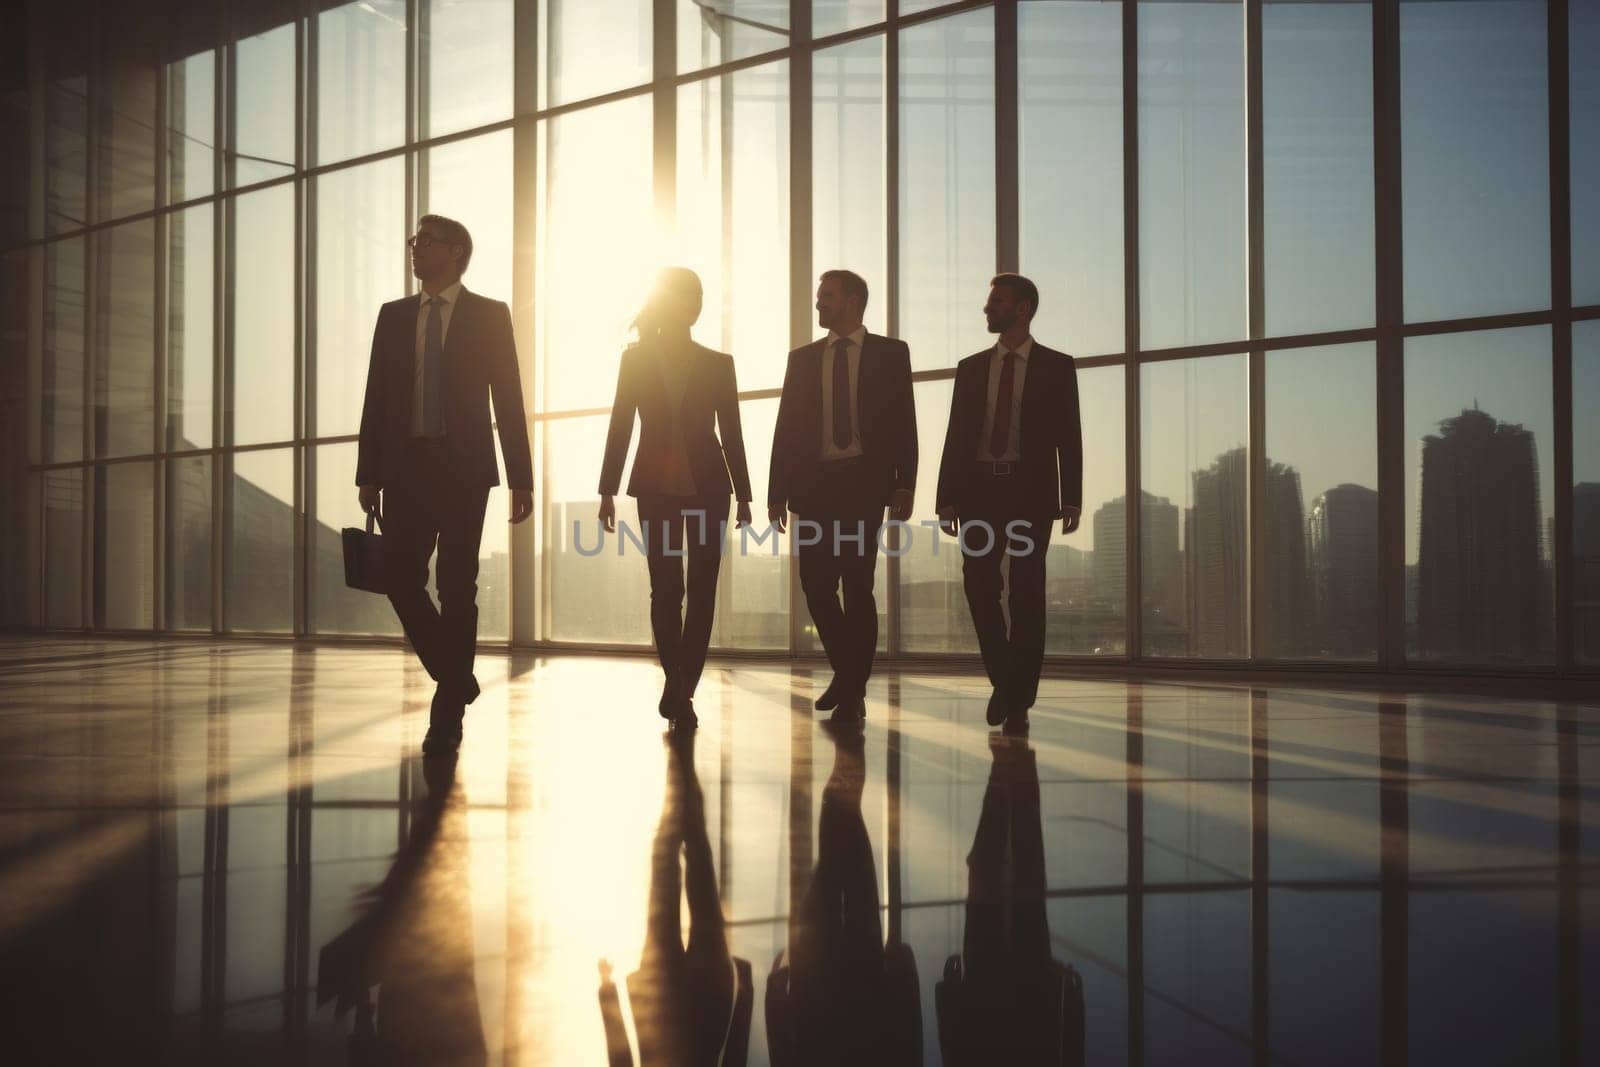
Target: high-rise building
1285,583
1586,571
1217,558
1479,593
1344,571
1162,571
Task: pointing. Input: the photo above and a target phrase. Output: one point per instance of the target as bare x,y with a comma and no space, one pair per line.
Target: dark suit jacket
480,358
710,400
1051,434
888,423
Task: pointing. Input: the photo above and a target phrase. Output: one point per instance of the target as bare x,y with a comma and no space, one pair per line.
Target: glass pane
61,380
1069,124
260,405
595,196
191,127
469,81
947,243
1197,972
593,47
753,588
1316,72
470,181
733,215
188,560
361,78
1087,571
1320,583
847,168
1480,496
1585,493
258,560
933,606
1191,174
190,321
710,33
125,547
257,884
1475,164
124,380
837,16
66,150
361,232
127,134
265,100
63,548
336,608
1583,73
604,595
1194,496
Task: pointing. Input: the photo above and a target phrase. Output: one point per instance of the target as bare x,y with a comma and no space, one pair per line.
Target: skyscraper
1586,571
1162,569
1344,571
1285,584
1217,557
1479,591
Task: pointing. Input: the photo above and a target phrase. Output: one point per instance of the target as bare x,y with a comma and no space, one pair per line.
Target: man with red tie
1012,465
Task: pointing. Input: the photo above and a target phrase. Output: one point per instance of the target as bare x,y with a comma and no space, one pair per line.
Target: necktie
432,360
841,393
1000,436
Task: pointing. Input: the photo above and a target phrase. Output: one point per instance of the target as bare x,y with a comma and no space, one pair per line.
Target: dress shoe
444,724
830,696
671,697
999,706
442,740
852,711
684,719
1016,724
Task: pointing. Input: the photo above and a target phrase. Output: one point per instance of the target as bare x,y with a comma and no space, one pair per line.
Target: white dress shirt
856,338
1013,451
449,297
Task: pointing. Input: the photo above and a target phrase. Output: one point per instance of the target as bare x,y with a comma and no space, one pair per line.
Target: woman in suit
683,394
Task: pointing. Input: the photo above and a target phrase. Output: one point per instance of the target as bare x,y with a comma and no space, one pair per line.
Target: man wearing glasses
426,457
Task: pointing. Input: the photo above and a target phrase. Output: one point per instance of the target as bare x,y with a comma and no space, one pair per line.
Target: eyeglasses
421,240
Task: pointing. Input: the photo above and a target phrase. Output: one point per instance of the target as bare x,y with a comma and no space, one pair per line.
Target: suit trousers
844,559
997,524
675,528
431,508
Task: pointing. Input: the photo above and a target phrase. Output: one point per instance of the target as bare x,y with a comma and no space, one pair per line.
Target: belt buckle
1002,467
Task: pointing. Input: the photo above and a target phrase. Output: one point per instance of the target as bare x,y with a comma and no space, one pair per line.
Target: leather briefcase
363,557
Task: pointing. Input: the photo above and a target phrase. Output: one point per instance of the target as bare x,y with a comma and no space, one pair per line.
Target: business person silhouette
691,1000
413,940
1004,998
844,448
841,997
683,393
426,462
1012,465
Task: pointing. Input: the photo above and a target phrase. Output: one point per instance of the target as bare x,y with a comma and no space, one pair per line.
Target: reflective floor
230,853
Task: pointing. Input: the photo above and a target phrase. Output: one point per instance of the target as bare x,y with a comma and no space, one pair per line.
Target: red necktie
1000,436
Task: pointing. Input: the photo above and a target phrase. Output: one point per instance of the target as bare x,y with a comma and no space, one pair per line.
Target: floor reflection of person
1003,998
841,996
691,1001
413,941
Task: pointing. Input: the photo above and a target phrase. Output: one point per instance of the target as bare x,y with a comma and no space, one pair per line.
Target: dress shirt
451,295
856,338
1013,451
